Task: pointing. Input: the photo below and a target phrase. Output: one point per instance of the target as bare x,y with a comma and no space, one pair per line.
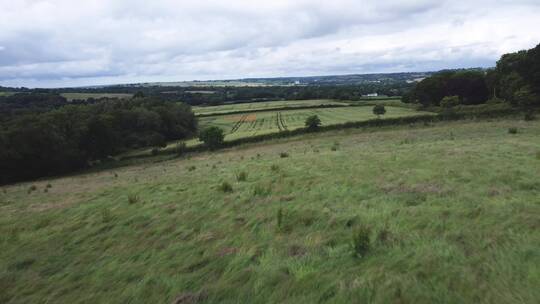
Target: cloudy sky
57,43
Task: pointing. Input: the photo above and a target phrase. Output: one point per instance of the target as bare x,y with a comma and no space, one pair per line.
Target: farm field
250,124
84,96
266,105
7,93
451,213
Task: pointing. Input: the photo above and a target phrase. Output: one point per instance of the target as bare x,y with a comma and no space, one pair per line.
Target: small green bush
512,130
274,168
361,241
241,177
212,137
191,168
283,154
133,199
226,187
312,123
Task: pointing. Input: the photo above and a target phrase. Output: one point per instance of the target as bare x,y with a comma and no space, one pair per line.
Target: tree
212,137
379,110
313,122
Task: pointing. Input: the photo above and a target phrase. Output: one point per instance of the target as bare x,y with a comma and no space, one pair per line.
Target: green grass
267,105
452,212
84,96
7,93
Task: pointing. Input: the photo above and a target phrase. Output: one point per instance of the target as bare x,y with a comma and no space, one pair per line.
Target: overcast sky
59,43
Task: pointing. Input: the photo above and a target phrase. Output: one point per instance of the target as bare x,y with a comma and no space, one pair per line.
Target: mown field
452,213
267,105
250,124
84,96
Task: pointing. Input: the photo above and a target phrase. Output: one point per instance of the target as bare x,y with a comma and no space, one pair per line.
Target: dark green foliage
512,130
40,141
274,167
379,110
242,176
283,154
32,188
226,187
279,218
469,85
313,122
212,137
191,168
361,240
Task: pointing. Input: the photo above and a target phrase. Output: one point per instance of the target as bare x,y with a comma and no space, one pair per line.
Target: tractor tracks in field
280,123
239,123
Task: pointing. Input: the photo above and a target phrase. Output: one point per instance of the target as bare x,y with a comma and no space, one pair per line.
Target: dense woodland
515,79
44,136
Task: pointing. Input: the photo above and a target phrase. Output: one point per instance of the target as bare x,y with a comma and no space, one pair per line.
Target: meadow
85,96
446,213
250,124
267,105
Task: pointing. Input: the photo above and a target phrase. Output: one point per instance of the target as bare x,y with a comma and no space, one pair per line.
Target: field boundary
277,109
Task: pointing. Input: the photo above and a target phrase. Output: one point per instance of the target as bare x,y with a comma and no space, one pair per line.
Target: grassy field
453,212
249,124
6,93
84,96
267,105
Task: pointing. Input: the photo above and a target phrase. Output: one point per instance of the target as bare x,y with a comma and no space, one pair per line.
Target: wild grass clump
279,218
48,186
191,168
241,176
334,147
361,241
226,187
283,154
261,190
133,199
106,215
32,188
512,130
274,168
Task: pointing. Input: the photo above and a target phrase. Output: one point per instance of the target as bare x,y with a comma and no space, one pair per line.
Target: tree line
49,138
515,79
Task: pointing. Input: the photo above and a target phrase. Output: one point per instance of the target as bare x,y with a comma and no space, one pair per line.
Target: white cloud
65,42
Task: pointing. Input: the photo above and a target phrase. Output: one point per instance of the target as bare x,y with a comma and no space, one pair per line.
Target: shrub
225,187
133,199
241,177
361,240
180,148
449,102
283,154
49,186
32,188
512,130
212,137
312,122
379,110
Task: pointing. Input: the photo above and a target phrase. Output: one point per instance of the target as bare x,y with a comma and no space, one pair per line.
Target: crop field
267,105
448,213
249,124
84,96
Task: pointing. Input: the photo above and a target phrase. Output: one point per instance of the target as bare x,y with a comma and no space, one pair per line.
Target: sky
64,43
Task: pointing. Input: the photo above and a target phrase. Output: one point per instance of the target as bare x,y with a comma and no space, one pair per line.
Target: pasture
85,96
451,213
266,105
250,124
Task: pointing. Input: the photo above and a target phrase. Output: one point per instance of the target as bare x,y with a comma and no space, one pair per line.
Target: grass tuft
226,187
361,240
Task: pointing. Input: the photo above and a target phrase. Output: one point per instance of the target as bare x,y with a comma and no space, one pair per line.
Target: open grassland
250,124
451,213
267,105
85,96
7,93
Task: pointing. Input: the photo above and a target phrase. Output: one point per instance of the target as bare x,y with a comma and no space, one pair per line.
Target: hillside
447,211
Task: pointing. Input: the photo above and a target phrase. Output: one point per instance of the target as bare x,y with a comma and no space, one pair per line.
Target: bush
32,188
133,199
212,137
512,130
283,154
312,122
49,186
226,187
449,102
361,241
241,177
379,110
